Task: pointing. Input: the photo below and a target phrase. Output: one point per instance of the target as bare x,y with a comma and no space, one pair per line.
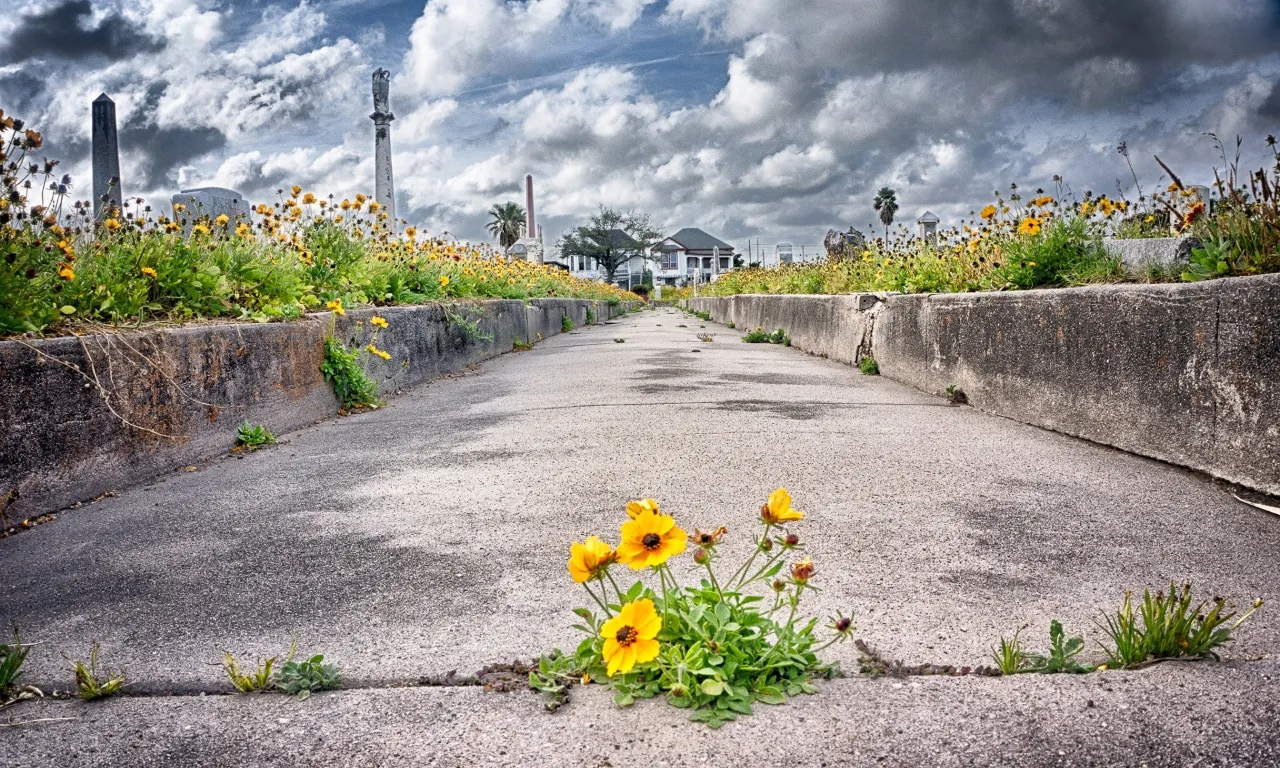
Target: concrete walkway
432,536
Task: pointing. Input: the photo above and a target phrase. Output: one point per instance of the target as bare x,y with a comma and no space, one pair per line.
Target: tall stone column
530,223
106,157
384,188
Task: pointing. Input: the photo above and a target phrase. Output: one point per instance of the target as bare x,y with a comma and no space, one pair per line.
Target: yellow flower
112,224
649,540
629,637
335,307
1086,208
243,230
148,271
988,213
66,272
296,190
1149,219
179,207
638,508
308,199
1042,201
379,321
200,229
345,205
590,559
410,232
375,206
444,281
222,220
778,510
378,352
360,199
1029,226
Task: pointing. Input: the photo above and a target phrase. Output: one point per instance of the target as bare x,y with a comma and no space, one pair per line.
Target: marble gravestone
209,202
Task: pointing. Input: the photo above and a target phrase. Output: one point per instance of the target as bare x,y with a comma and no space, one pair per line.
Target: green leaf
722,612
712,687
67,309
624,699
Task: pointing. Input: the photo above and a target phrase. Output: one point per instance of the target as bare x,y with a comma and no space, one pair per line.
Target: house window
670,260
692,262
724,262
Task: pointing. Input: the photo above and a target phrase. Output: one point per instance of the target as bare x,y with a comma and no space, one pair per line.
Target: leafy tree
886,204
612,238
505,222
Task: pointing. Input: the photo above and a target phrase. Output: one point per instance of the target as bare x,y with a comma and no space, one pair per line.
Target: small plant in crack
566,323
758,336
520,345
956,396
591,315
89,685
253,436
1169,625
302,678
261,678
12,657
869,366
1009,657
1062,653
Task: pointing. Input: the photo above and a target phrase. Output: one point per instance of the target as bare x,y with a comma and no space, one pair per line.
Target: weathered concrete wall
838,327
1185,373
64,402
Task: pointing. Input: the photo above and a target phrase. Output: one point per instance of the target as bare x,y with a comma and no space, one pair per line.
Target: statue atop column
383,182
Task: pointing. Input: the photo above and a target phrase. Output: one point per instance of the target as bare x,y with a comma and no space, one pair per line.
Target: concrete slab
432,536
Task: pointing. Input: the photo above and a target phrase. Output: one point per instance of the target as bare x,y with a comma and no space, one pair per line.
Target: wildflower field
1052,240
62,268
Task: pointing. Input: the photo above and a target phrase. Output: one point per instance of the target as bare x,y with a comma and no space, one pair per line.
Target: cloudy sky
769,119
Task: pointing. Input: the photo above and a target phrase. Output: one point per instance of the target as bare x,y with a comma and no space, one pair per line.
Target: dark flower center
627,635
651,541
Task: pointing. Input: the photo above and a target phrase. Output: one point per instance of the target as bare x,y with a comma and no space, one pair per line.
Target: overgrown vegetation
1054,239
760,336
868,366
566,323
341,368
62,269
253,436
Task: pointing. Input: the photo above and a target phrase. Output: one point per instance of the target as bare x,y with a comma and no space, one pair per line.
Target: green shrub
566,323
869,366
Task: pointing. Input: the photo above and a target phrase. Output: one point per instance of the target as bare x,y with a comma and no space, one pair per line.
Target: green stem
603,606
615,587
768,564
752,559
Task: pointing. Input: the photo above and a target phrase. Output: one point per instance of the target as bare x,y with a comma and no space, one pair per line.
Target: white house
691,252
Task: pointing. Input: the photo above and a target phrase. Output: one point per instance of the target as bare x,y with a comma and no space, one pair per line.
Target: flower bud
791,540
701,557
766,544
778,585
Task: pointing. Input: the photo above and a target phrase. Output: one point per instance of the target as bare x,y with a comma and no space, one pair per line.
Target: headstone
208,202
106,159
383,183
928,224
1164,254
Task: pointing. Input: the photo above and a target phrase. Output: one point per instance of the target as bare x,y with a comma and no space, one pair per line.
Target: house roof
620,241
694,239
928,217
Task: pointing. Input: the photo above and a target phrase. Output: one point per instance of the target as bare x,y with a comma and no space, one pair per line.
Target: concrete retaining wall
1185,373
64,402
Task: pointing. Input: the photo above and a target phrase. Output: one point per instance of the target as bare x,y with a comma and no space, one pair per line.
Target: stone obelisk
384,188
530,223
106,158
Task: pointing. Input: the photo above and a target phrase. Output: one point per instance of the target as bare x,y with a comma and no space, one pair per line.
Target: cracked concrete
431,536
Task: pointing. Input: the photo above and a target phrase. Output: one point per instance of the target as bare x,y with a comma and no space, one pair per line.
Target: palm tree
886,203
507,219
